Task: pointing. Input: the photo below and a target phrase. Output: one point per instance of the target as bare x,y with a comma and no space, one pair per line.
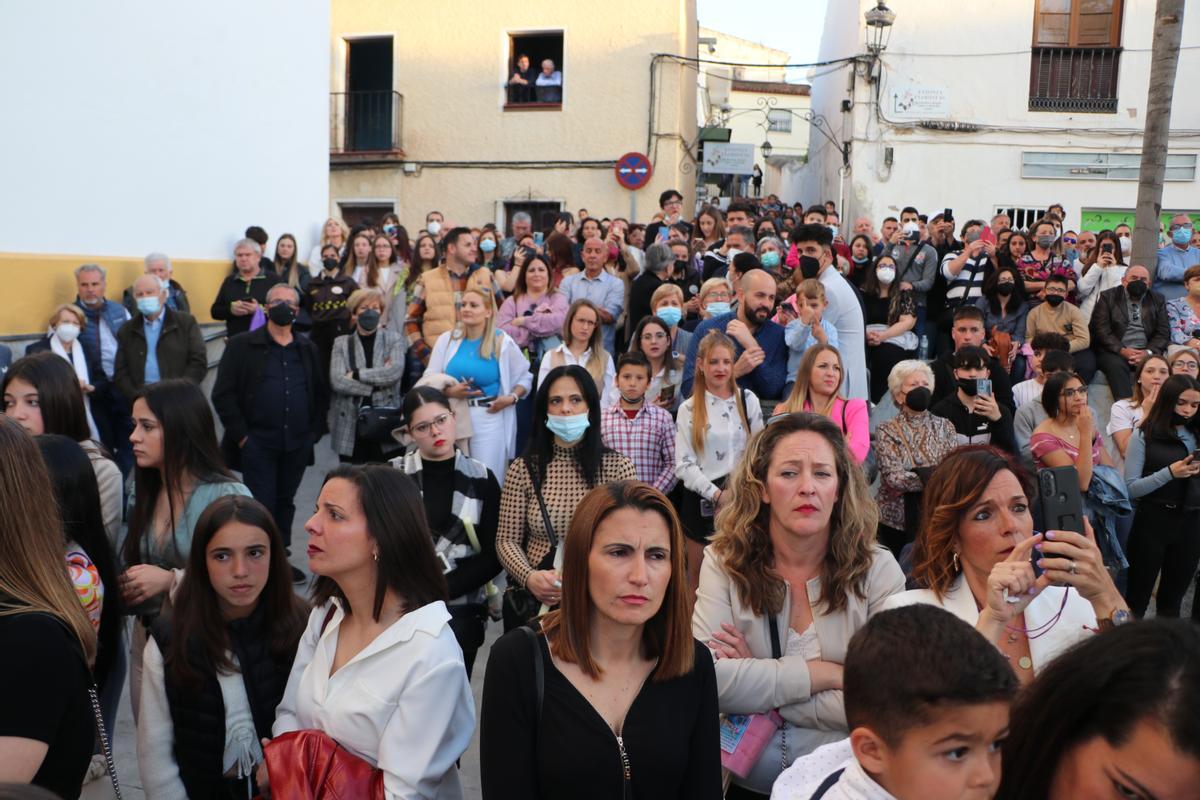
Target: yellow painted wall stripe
35,283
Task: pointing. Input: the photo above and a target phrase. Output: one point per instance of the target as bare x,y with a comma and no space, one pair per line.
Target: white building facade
1006,105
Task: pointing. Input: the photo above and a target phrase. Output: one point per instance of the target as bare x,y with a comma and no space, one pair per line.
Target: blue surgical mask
487,245
769,259
717,309
1181,236
670,315
859,259
149,305
570,428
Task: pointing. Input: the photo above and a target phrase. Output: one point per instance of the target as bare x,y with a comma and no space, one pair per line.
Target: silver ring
1073,570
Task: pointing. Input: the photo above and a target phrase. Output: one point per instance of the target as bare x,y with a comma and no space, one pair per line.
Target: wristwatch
1118,617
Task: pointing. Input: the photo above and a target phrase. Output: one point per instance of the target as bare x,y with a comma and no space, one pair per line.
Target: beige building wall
451,62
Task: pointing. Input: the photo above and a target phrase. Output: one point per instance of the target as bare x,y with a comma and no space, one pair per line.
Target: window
1075,57
354,212
543,214
366,117
779,120
527,54
1022,217
1102,166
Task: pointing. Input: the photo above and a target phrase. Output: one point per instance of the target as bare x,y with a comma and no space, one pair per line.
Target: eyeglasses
1080,392
1186,365
422,428
1069,241
1176,227
288,303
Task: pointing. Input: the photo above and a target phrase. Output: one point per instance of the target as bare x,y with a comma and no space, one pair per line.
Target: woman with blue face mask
862,261
564,460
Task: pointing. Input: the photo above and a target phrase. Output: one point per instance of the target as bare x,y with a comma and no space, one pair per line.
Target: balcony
365,127
1074,79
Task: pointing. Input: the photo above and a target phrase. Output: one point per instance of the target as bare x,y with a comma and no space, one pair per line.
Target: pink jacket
547,319
857,425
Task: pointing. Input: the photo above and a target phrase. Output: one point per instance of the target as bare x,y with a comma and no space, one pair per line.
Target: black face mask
809,266
282,315
918,399
681,265
1005,289
1137,289
368,320
969,386
329,263
1055,300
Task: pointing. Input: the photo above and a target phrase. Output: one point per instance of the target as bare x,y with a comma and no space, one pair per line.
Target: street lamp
766,148
879,27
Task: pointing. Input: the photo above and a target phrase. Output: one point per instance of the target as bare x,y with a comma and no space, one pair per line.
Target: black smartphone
1106,247
1061,504
948,215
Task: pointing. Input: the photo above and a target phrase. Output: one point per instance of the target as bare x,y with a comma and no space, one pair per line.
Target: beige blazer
757,685
1077,617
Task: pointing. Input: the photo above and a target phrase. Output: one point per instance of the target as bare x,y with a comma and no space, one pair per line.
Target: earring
956,568
376,555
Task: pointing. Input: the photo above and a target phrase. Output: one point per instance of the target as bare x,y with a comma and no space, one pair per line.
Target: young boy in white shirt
1030,390
927,700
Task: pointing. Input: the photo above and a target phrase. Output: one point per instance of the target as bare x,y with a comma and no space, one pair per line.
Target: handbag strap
827,784
776,650
537,490
351,356
94,696
539,677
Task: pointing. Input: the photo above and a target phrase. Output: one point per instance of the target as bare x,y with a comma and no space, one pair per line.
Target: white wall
971,172
134,126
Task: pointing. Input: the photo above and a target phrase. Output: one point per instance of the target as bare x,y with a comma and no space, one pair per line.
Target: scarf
78,360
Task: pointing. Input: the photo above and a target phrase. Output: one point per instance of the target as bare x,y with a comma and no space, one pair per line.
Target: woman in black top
462,503
219,661
626,705
325,300
46,722
890,314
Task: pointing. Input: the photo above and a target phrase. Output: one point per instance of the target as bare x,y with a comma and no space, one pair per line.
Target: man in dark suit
158,343
1129,324
272,395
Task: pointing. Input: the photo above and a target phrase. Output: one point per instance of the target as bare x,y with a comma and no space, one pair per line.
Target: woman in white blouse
1127,414
712,428
379,669
583,344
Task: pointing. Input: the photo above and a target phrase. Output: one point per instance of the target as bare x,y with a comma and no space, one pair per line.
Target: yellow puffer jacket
441,300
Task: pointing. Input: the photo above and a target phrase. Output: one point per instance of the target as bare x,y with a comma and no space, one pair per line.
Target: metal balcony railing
365,122
1074,79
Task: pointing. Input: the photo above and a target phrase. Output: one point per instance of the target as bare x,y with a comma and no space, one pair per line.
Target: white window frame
1100,166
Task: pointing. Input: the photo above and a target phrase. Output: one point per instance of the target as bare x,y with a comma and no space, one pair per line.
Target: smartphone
538,237
667,394
1060,502
987,234
1106,247
707,509
983,386
948,215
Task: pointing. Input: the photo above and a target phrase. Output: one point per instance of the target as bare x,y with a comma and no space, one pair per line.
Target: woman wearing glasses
462,503
1068,437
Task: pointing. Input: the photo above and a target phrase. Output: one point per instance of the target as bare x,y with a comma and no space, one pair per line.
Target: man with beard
761,361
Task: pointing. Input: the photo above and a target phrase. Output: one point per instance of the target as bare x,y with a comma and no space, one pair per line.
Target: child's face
1037,361
816,304
955,757
632,381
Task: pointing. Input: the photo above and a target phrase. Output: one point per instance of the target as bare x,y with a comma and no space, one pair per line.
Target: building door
369,96
543,213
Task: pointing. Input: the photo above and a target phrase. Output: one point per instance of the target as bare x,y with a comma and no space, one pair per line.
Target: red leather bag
309,765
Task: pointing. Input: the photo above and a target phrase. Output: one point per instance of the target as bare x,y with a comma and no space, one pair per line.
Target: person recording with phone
1162,466
1033,595
1101,270
972,409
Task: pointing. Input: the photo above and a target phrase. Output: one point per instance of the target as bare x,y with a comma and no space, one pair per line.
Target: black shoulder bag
373,424
522,605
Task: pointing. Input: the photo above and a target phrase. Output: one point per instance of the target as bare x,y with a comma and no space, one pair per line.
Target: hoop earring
956,567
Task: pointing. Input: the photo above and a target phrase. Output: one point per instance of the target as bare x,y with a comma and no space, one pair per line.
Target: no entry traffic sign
633,170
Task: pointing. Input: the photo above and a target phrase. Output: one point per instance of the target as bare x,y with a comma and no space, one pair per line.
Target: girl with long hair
1126,415
1068,436
713,426
1005,308
382,272
793,571
228,644
178,472
378,669
652,338
583,345
818,389
862,261
333,234
565,459
492,376
42,394
425,258
288,267
561,257
46,718
1163,475
533,315
710,229
622,673
1044,258
1103,269
357,257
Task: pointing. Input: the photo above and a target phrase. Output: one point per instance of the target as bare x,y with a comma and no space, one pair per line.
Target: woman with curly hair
792,573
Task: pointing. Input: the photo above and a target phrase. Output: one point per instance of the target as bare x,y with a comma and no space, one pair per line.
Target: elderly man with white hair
158,343
241,300
159,265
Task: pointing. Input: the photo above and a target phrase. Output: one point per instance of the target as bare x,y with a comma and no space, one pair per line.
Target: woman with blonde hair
712,428
818,388
47,722
583,345
621,672
793,571
492,375
334,232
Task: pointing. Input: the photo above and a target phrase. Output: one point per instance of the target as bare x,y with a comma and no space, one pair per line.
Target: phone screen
983,386
537,238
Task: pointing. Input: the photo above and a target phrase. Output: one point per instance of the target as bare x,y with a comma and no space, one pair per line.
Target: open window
366,117
543,213
1076,55
530,83
359,212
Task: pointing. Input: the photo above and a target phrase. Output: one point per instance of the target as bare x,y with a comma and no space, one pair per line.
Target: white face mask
1126,245
67,331
886,275
733,252
434,227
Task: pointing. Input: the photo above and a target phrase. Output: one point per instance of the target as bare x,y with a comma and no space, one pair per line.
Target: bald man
760,363
596,284
158,343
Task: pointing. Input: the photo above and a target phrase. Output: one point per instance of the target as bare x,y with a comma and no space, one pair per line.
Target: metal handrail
365,122
1074,79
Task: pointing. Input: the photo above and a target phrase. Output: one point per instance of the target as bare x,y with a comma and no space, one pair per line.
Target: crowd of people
762,504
